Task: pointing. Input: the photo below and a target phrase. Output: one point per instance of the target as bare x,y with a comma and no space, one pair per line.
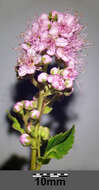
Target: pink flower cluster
60,79
54,35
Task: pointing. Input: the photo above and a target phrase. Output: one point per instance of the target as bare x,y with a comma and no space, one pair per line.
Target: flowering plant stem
35,148
50,59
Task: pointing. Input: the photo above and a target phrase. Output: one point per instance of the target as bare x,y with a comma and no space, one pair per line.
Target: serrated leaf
59,145
47,110
16,124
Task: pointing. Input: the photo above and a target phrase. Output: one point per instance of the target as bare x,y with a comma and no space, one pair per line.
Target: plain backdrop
82,110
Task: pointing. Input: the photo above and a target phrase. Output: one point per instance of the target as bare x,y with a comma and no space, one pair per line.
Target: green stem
33,155
35,152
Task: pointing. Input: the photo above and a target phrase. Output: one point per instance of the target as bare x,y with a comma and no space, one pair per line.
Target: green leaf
16,124
47,110
43,160
59,145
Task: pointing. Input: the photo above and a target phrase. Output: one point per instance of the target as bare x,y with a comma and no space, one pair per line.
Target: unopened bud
28,105
35,114
25,139
54,70
42,77
44,132
18,107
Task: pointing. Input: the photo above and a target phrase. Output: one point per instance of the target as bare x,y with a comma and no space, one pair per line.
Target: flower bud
18,107
42,77
25,139
54,70
44,132
35,114
28,105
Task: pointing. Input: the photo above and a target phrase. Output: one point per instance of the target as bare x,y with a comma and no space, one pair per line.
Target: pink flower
25,46
70,19
35,114
56,35
25,139
25,69
51,47
46,59
35,27
44,36
54,31
57,82
69,73
61,55
28,36
31,52
43,17
42,77
43,22
37,59
60,17
61,42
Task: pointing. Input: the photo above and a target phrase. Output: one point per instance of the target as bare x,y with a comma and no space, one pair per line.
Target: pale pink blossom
69,73
37,59
26,69
46,59
28,36
25,46
43,22
60,17
56,35
54,31
61,55
61,42
51,46
58,82
31,52
35,27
